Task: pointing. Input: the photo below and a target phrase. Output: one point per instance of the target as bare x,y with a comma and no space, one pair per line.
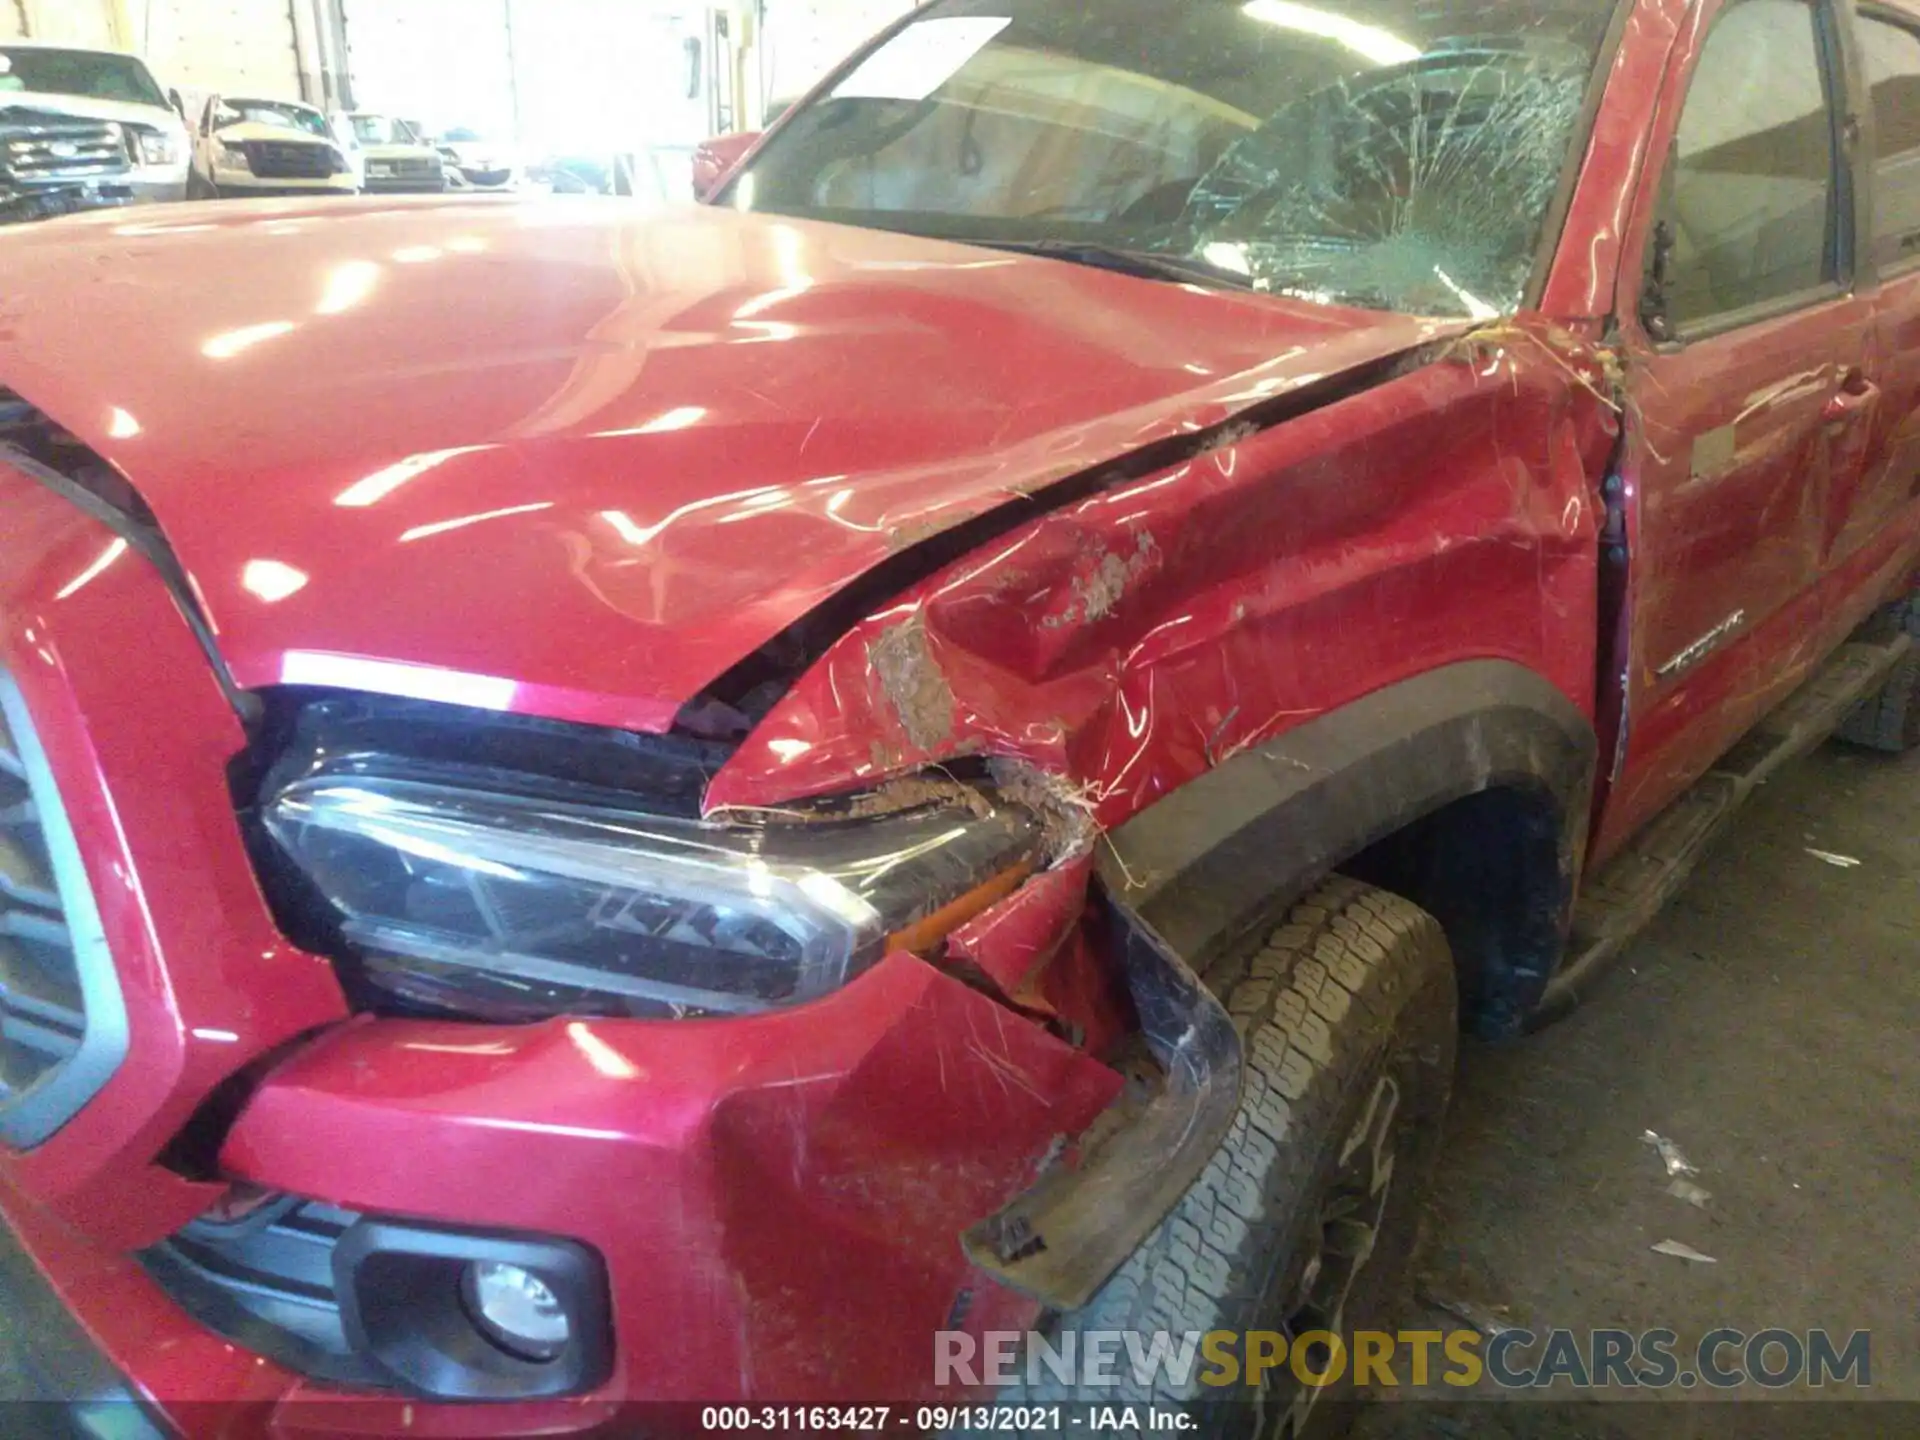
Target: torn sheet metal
1135,638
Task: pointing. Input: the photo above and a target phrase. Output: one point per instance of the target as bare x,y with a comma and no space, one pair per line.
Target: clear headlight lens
507,905
156,147
232,157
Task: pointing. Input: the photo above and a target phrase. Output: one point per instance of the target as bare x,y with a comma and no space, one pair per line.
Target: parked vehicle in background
255,147
475,162
611,804
714,160
393,156
84,128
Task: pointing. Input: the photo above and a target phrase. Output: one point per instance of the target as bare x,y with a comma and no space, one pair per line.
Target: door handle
1852,400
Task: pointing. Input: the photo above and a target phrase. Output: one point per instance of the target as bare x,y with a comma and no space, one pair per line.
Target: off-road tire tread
1346,946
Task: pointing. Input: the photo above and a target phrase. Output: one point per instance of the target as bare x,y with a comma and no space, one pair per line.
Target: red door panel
1749,402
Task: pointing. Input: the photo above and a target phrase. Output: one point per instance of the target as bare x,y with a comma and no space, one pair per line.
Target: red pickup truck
603,806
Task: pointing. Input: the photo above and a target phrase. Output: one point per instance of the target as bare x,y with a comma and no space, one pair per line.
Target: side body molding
1206,864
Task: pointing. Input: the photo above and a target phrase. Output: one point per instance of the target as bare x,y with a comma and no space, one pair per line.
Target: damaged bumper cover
1061,1240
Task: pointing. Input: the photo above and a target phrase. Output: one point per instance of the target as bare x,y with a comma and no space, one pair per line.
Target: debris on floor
1670,1154
1845,862
1693,1194
1683,1252
1480,1317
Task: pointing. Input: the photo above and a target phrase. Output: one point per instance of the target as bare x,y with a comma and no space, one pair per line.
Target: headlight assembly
480,895
232,157
156,147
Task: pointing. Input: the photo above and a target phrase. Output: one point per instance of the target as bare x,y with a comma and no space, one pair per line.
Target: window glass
1396,154
90,74
1749,190
283,114
1893,70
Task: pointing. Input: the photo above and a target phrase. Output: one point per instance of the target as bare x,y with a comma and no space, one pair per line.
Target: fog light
516,1310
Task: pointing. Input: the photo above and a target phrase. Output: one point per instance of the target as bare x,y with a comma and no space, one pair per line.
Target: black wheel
1889,719
1305,1218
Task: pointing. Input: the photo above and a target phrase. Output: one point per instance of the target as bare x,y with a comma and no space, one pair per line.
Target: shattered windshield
1399,154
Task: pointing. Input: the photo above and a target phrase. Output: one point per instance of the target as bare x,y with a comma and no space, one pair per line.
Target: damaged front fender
1131,640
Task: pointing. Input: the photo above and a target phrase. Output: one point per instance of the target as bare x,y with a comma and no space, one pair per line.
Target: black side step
1630,889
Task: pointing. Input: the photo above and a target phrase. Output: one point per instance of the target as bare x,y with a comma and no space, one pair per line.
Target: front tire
1889,719
1305,1217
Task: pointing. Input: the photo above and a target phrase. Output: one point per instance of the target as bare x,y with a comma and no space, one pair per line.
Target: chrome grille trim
63,1020
78,147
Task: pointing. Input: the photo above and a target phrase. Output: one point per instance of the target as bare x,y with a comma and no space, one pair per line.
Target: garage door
221,47
806,38
445,63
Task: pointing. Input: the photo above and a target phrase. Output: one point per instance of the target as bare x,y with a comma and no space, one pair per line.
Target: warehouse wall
79,22
198,46
462,63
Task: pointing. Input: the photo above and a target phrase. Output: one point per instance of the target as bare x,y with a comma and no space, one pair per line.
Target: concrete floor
1767,1023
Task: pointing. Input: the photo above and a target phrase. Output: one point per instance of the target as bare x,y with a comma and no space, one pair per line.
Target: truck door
1743,350
1872,522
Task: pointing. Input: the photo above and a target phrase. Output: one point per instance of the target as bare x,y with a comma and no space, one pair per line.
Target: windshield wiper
1148,264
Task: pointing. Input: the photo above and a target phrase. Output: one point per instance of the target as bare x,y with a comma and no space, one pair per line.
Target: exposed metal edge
801,644
1061,1240
40,1110
152,546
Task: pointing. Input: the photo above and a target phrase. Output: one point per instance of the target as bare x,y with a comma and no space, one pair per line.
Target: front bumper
404,185
51,1372
45,199
229,182
778,1204
778,1200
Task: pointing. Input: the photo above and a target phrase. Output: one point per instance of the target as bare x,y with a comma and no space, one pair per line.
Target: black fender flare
1199,869
1206,864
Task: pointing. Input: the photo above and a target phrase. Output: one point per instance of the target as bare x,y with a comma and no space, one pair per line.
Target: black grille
78,149
63,1025
43,1017
265,1281
292,159
488,177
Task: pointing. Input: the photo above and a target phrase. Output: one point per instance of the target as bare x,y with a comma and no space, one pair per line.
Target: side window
1892,55
1747,203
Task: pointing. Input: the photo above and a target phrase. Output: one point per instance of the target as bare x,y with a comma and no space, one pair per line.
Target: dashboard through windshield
1395,155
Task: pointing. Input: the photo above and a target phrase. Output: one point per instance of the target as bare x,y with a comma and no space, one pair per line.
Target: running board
1631,888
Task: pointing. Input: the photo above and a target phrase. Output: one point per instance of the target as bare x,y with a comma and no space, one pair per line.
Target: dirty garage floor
1767,1021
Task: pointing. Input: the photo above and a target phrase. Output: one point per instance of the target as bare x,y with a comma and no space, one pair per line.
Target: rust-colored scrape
914,686
914,791
1095,595
1230,435
901,537
1064,810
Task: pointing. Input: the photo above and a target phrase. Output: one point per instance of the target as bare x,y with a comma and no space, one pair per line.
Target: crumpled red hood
575,457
